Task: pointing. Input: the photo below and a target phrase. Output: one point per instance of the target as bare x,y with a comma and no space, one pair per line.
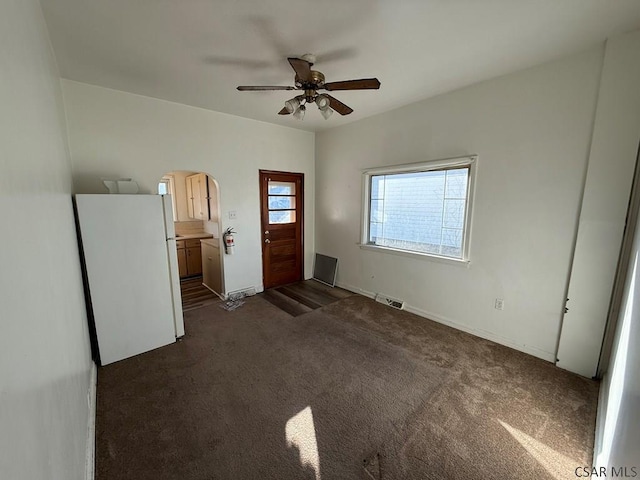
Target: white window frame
469,161
169,180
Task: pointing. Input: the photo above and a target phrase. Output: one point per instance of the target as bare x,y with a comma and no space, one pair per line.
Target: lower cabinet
182,260
189,257
211,271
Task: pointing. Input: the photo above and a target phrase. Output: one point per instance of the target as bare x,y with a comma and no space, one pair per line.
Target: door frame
617,295
264,211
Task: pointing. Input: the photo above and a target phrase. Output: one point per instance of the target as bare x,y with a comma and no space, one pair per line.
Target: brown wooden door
281,209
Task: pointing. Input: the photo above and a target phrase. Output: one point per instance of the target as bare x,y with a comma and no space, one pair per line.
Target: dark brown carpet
258,394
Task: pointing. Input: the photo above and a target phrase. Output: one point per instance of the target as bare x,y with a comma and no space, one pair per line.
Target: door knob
266,232
267,241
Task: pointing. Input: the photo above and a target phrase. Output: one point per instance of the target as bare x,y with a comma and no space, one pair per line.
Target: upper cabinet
194,195
198,196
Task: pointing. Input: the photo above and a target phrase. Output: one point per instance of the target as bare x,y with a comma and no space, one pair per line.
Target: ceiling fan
309,82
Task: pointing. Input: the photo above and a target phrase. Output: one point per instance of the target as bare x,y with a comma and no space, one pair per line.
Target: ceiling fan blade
302,68
284,111
236,62
338,106
245,88
338,54
362,84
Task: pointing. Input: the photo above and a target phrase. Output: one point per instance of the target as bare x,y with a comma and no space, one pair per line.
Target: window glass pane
451,242
375,231
419,211
281,202
163,188
377,211
457,183
283,216
452,237
453,213
281,188
377,187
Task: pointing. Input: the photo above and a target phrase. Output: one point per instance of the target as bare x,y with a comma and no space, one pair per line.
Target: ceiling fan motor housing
316,80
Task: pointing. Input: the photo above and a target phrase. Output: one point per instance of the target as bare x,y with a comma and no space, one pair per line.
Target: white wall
531,131
45,362
114,133
611,164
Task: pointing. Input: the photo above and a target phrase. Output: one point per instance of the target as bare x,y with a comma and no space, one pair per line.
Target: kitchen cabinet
198,196
182,260
189,257
194,257
211,268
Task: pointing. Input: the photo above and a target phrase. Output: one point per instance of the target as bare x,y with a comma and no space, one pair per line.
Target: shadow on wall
94,183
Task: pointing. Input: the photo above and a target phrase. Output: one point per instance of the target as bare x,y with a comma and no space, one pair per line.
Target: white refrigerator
131,263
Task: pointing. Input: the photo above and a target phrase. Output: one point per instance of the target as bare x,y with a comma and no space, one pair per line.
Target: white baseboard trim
536,352
353,289
256,289
90,461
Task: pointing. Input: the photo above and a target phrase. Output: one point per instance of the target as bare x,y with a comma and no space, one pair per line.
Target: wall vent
392,302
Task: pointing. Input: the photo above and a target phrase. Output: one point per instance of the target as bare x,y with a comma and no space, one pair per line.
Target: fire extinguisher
229,242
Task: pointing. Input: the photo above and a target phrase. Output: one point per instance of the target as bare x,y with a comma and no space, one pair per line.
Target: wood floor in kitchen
195,295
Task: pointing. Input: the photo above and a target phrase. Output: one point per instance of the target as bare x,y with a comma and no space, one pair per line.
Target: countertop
214,242
189,236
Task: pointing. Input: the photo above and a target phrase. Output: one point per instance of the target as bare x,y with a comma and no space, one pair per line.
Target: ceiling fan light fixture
292,105
299,113
322,101
326,113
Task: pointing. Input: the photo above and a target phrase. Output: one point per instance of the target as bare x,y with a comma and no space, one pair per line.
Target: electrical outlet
499,305
232,215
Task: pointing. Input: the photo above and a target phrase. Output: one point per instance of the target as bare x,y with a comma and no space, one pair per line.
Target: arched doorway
196,213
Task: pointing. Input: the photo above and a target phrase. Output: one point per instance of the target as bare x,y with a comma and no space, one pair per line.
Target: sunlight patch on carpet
558,465
300,432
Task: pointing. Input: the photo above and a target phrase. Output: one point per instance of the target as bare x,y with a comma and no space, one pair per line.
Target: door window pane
282,216
281,203
281,188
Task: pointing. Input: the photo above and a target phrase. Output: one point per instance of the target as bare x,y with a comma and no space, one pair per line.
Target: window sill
422,256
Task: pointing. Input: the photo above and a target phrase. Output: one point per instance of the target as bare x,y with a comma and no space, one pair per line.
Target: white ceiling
197,51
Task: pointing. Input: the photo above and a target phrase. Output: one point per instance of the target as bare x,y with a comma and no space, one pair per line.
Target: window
165,187
282,202
420,208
